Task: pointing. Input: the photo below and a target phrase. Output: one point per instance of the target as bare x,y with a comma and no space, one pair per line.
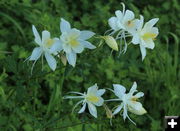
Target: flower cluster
71,42
128,101
124,25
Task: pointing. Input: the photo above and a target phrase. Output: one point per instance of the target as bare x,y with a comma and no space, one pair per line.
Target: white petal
56,47
151,23
87,44
119,90
71,57
129,15
93,89
72,97
45,36
118,109
100,92
92,110
119,14
36,35
140,23
64,25
74,33
124,112
143,51
84,35
67,48
100,102
133,88
78,49
139,94
51,61
37,52
149,44
113,23
136,108
83,108
135,39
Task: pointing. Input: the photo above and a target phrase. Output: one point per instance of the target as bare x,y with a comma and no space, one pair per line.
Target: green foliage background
25,98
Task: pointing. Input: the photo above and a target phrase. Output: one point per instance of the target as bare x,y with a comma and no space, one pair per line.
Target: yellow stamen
92,98
49,42
73,42
149,36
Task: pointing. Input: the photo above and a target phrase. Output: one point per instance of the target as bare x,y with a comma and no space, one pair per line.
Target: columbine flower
145,35
124,20
92,99
47,47
129,101
74,41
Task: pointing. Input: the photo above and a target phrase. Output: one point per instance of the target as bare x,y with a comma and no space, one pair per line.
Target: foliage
25,98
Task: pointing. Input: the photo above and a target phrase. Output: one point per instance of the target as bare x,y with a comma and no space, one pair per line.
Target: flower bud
141,111
63,60
111,42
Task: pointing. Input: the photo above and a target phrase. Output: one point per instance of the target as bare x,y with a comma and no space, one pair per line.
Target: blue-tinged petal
87,44
133,88
84,35
119,90
45,36
36,35
113,23
51,61
64,25
37,52
78,49
67,48
118,109
57,46
129,15
100,92
71,57
92,110
151,23
83,108
143,51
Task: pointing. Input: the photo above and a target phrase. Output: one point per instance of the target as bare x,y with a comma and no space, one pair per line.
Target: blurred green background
24,98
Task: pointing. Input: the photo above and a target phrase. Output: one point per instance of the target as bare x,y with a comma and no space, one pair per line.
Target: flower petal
113,23
100,102
136,108
118,109
51,61
139,94
143,51
83,108
100,92
129,15
119,90
71,57
135,39
57,46
45,36
37,52
151,23
78,49
92,110
93,89
84,35
36,35
133,88
87,44
119,14
64,25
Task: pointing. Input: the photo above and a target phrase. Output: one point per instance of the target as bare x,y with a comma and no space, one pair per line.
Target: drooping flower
92,98
47,47
129,101
124,20
74,41
145,35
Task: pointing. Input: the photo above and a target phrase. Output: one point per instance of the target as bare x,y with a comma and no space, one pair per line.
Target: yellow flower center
49,42
134,99
73,42
149,36
92,98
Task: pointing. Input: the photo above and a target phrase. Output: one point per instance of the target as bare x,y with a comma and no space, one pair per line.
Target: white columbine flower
47,47
145,35
129,101
74,41
92,99
124,20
